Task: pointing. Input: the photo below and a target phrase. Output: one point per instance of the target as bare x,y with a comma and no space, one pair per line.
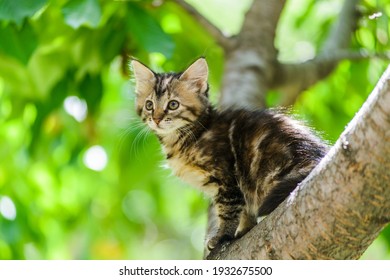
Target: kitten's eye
148,105
173,105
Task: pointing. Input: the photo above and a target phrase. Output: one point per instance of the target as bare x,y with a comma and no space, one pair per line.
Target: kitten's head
169,101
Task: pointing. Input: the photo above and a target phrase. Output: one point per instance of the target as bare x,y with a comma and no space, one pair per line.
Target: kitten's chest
190,170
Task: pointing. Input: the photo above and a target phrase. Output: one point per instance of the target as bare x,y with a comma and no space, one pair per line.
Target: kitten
247,161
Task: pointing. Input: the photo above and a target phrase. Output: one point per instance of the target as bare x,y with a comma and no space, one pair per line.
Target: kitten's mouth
162,129
165,127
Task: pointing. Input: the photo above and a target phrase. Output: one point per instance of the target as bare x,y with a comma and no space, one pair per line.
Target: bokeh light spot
76,107
95,158
7,208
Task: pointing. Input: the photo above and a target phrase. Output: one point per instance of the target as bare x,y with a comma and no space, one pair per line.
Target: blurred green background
79,176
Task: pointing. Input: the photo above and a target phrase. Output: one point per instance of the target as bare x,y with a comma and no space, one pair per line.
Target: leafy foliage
17,10
82,12
80,178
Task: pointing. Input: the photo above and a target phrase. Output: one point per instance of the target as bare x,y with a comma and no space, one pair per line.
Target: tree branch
259,27
249,66
344,203
293,79
340,34
224,41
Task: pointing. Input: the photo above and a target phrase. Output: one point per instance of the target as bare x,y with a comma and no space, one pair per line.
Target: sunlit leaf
82,12
17,10
46,67
148,33
18,43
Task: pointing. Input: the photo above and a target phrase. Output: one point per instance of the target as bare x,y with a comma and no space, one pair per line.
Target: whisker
127,131
141,135
186,133
198,122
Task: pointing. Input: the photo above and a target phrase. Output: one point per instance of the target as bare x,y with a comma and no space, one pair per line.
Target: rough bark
344,203
249,66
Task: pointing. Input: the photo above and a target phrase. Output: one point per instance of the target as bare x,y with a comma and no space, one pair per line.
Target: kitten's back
273,153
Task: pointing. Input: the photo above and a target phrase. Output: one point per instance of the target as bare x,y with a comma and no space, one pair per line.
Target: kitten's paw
218,240
242,231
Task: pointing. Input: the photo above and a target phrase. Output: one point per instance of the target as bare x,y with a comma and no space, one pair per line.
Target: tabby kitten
247,161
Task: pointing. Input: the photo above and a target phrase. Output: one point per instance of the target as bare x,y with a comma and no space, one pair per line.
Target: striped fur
247,161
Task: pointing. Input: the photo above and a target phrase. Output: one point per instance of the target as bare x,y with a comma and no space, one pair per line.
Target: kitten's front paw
217,240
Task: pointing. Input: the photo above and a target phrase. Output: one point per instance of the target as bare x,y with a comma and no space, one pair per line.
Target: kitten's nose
157,120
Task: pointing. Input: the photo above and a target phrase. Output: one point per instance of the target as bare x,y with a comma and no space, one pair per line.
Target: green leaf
55,100
82,12
91,89
16,75
19,43
147,32
17,10
47,66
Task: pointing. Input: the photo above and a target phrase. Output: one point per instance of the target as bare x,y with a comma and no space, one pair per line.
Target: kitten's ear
197,73
144,77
